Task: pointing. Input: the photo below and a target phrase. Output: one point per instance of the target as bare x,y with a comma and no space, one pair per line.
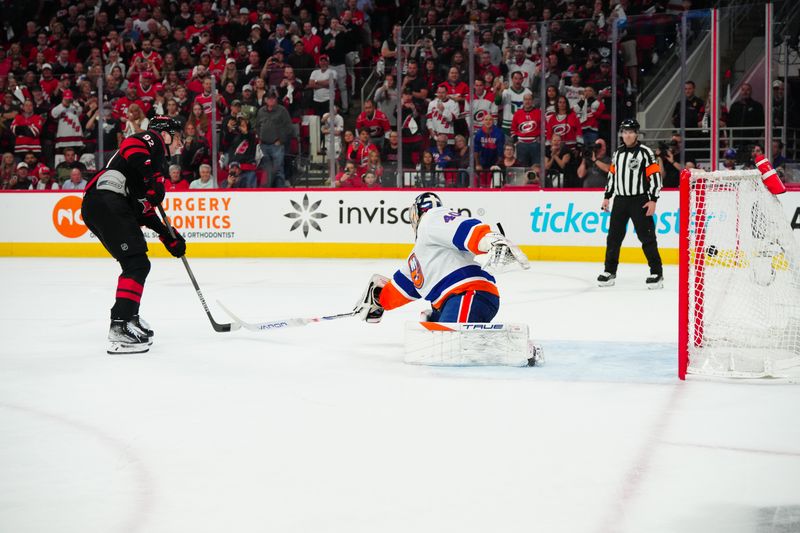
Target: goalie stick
219,328
281,324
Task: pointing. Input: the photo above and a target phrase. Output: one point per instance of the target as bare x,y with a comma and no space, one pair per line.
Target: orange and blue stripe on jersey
399,291
468,278
469,234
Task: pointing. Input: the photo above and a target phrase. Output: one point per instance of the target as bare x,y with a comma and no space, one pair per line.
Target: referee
635,179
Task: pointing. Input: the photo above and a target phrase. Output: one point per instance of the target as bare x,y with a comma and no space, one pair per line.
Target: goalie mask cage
739,297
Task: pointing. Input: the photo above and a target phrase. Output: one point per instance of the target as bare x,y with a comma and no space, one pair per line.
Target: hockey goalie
442,269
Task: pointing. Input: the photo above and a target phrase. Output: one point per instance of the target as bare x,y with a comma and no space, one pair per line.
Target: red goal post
739,279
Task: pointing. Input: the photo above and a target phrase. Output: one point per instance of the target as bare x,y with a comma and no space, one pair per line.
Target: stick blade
238,323
265,326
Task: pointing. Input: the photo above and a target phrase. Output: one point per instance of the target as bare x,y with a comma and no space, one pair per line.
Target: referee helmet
629,124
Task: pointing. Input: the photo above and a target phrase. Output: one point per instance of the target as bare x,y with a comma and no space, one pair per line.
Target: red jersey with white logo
589,113
360,153
48,52
193,30
147,96
459,89
153,57
217,67
48,86
376,124
568,126
30,140
527,125
122,104
516,27
207,102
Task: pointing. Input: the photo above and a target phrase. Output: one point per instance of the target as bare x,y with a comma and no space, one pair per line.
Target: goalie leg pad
470,344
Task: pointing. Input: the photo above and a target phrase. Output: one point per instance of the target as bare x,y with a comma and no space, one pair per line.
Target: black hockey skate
125,337
142,324
654,281
606,279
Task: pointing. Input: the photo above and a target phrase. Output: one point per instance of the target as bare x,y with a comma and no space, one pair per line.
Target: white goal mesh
743,284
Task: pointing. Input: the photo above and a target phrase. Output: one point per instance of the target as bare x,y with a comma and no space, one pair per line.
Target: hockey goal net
740,279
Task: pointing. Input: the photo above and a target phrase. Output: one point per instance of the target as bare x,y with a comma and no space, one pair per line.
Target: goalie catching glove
368,308
502,252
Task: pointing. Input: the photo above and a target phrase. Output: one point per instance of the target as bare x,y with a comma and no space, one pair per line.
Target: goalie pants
470,306
631,208
111,219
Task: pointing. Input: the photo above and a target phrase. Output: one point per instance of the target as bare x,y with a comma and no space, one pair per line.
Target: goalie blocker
470,344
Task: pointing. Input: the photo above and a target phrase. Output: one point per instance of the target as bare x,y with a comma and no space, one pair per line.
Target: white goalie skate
536,353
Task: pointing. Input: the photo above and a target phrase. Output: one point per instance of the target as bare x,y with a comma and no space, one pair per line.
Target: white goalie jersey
442,261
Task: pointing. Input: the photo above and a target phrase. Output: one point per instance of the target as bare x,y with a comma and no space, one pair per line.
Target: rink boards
548,225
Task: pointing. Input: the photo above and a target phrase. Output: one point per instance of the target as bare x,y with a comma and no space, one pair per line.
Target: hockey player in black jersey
118,201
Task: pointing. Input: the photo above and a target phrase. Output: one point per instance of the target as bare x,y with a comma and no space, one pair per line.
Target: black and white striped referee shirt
634,171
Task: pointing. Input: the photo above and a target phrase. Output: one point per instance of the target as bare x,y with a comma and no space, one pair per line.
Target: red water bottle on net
769,176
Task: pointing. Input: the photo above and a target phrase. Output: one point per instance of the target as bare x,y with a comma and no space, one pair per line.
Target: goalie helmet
422,204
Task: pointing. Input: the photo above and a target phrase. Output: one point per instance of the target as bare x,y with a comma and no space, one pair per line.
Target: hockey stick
280,324
220,328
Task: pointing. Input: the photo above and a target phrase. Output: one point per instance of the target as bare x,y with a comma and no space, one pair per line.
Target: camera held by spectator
589,151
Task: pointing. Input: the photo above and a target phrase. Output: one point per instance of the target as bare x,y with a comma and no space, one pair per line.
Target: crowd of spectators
244,74
241,74
503,115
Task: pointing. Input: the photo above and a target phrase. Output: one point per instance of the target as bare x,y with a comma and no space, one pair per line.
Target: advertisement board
552,225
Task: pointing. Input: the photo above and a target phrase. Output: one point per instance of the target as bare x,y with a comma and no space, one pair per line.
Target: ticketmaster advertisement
552,225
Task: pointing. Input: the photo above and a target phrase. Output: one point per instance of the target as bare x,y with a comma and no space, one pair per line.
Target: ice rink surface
325,429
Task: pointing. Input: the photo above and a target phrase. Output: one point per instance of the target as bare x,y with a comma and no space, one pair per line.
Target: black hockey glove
174,245
155,190
150,219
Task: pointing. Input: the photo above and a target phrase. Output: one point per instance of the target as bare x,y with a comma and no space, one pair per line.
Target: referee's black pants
631,208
